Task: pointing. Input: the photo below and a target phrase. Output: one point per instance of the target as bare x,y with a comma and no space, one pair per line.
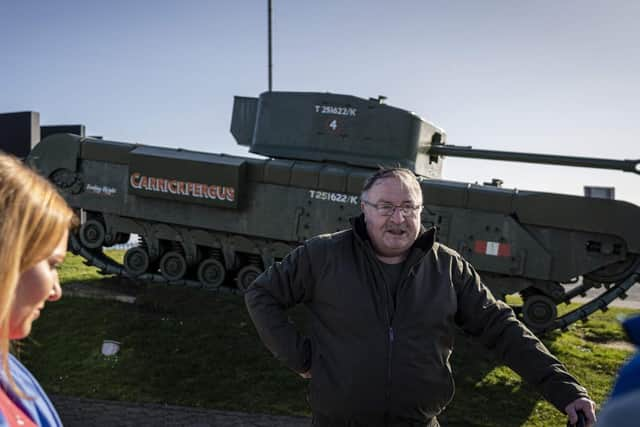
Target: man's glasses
387,209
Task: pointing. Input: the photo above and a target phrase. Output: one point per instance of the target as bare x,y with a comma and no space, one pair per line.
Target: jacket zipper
391,337
391,332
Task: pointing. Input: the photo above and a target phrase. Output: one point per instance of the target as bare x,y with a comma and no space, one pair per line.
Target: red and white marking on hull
486,247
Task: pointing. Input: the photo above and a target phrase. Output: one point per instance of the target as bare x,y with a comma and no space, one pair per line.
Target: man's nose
397,215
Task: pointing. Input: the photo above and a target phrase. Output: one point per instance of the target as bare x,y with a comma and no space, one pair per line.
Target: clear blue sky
545,76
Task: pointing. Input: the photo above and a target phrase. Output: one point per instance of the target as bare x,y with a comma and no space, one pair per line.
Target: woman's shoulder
22,377
36,404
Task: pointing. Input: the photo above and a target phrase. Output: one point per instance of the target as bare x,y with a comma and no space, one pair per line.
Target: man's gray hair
382,173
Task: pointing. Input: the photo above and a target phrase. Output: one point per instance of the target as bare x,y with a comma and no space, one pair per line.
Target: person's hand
587,406
305,375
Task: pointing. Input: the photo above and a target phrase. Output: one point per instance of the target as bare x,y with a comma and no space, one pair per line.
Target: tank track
106,265
601,302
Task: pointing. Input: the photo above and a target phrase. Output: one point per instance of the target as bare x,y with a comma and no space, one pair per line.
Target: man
385,300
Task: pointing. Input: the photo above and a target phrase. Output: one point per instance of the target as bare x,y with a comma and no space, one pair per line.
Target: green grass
196,348
74,268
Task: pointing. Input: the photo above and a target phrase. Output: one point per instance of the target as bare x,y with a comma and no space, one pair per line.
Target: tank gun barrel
512,156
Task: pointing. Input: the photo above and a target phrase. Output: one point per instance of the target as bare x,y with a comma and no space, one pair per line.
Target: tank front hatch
336,128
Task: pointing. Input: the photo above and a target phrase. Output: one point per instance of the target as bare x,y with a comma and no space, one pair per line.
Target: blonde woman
34,226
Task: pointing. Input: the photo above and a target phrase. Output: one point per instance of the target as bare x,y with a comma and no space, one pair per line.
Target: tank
217,221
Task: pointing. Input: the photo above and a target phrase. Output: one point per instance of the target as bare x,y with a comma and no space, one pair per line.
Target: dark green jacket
369,359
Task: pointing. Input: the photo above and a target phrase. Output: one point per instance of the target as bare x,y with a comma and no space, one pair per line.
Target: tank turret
325,127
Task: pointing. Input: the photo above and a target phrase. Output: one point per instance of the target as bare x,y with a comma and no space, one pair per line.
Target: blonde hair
33,219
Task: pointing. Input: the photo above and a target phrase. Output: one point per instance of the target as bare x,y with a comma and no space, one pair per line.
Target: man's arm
495,324
279,288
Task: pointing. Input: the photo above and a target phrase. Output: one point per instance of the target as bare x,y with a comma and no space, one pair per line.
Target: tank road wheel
211,273
136,261
173,266
539,312
247,275
92,234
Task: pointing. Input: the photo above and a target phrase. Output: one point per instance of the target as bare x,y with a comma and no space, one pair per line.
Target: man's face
392,236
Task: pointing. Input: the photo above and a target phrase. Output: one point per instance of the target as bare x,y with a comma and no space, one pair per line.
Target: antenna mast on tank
269,30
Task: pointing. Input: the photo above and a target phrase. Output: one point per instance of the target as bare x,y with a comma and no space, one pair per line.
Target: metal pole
270,65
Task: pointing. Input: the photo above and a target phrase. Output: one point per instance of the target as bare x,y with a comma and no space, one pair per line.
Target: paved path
80,412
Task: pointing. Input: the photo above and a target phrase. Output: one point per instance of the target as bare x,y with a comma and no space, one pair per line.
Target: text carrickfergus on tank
182,188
